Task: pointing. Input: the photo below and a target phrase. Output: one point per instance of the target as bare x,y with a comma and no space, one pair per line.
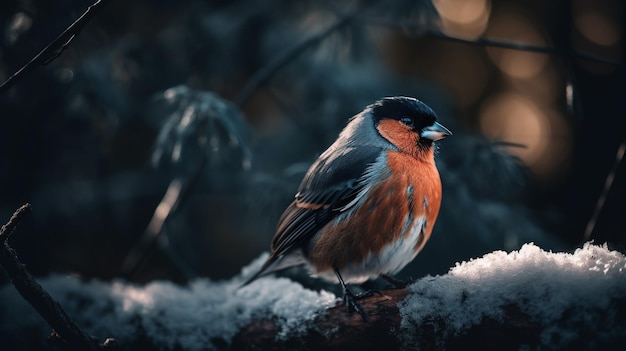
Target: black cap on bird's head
397,107
411,112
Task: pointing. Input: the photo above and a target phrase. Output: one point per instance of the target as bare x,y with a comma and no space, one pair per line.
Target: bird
367,206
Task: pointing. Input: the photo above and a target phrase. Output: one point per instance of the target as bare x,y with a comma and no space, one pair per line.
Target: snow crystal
199,316
544,285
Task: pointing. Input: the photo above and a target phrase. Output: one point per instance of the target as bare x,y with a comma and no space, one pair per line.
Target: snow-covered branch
529,297
65,332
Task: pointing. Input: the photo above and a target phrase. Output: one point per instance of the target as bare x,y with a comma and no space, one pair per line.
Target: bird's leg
395,283
349,298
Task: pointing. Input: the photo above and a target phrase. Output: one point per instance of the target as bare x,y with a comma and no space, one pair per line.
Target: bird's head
407,123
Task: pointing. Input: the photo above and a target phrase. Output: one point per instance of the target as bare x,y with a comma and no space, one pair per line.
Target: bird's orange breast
413,190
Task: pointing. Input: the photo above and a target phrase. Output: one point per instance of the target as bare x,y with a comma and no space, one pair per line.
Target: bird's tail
261,272
276,263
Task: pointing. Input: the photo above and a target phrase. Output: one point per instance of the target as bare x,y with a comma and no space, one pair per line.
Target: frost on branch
571,299
529,298
203,314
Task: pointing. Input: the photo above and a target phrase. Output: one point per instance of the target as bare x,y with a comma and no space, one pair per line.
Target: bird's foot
350,300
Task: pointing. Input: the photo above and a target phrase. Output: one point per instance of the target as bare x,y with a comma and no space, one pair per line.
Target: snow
206,314
202,315
544,285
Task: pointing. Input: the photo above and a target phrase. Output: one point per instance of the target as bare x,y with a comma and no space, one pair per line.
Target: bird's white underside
390,260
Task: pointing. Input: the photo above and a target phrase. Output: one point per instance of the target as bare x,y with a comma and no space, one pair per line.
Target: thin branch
56,47
7,230
482,41
155,228
177,192
66,333
522,47
266,72
505,44
608,183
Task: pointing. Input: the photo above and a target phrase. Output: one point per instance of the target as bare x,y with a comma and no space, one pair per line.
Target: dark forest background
211,112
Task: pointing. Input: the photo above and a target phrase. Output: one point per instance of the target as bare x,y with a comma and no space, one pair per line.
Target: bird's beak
435,132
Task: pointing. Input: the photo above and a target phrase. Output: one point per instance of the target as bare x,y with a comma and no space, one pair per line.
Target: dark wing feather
331,183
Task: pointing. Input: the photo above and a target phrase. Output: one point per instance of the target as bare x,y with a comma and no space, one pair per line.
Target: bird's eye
407,121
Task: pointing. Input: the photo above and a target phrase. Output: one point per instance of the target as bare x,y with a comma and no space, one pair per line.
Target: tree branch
339,330
505,44
482,41
336,329
266,72
7,230
56,47
66,332
608,184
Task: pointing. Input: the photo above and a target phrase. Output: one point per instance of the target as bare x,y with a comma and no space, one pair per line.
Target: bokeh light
18,25
513,117
517,63
598,28
597,22
468,77
464,18
545,88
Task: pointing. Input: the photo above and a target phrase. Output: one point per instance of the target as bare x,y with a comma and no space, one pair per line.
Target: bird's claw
350,300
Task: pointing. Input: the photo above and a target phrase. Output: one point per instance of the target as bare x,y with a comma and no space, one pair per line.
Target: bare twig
156,227
504,44
482,41
176,194
608,183
266,72
66,332
16,219
56,47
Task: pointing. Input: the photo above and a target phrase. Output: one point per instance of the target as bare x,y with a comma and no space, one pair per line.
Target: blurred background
166,141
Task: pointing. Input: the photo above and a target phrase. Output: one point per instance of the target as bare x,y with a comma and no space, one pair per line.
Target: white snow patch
206,314
544,285
191,317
